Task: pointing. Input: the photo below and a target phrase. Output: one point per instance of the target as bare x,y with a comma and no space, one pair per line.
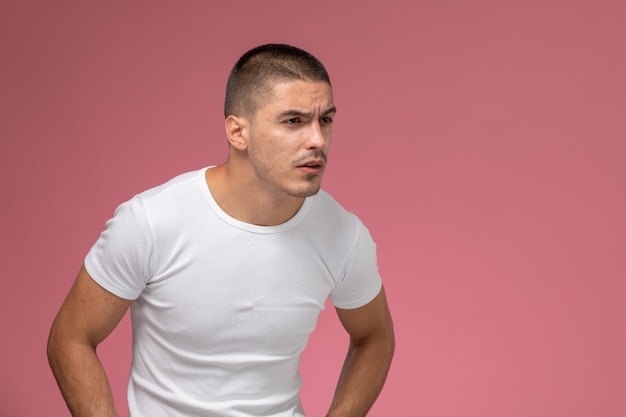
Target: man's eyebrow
294,112
301,113
330,110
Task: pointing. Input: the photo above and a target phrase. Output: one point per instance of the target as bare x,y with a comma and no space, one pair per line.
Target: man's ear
237,131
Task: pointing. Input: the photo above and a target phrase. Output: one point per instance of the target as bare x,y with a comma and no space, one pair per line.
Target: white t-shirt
223,309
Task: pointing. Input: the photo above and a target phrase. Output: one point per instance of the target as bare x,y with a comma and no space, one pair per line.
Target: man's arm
88,315
368,360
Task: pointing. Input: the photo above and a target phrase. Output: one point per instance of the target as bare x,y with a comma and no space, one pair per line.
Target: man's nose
316,137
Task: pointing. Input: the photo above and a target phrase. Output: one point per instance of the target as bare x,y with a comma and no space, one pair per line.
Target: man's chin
306,192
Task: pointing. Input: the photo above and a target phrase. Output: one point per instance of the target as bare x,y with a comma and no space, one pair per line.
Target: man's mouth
312,164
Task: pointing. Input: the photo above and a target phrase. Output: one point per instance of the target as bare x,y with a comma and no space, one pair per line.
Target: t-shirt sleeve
360,281
119,261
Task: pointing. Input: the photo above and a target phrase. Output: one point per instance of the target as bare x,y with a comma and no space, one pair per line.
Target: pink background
483,143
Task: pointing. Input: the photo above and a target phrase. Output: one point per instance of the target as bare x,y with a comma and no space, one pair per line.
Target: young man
227,268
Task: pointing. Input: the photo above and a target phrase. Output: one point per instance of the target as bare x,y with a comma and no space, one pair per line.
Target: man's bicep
372,320
89,313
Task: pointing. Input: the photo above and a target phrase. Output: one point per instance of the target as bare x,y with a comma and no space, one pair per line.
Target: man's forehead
297,91
289,96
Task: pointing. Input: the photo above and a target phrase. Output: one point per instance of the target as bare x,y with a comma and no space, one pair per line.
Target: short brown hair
266,64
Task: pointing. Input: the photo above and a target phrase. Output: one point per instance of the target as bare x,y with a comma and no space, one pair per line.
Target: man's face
290,136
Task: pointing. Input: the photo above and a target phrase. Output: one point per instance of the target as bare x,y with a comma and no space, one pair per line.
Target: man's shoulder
323,201
171,199
328,212
175,185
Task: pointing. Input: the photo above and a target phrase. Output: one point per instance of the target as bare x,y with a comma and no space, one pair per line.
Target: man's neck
242,200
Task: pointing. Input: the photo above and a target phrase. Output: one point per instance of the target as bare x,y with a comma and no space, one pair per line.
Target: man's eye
326,119
292,121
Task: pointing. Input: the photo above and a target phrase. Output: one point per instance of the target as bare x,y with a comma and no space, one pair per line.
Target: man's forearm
82,379
362,378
